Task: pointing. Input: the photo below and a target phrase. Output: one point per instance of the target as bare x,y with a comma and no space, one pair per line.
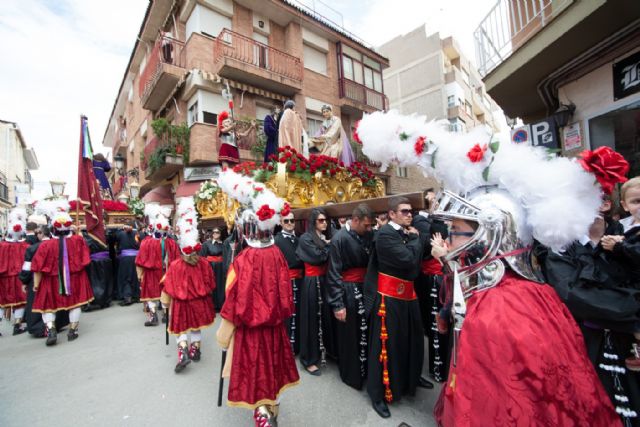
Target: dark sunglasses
321,220
215,232
405,212
288,221
461,234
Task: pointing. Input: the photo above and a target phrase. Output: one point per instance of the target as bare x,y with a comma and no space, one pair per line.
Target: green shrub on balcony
174,138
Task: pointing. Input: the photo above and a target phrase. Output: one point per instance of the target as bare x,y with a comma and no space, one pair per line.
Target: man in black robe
128,284
287,242
212,251
35,325
396,343
428,290
600,296
348,260
100,272
313,251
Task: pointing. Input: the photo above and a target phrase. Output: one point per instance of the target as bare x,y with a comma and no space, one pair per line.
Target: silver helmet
501,236
248,230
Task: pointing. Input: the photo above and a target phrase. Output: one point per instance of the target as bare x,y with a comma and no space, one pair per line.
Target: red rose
197,247
419,145
270,167
332,171
292,168
287,147
258,189
68,224
280,150
265,213
231,104
159,226
312,169
303,166
286,210
17,228
341,164
608,166
57,224
356,137
188,250
283,160
477,153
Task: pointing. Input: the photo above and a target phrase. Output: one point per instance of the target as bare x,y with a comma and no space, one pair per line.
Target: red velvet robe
259,299
11,260
45,261
190,288
522,361
150,259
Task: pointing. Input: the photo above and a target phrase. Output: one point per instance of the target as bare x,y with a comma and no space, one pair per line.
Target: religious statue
271,131
332,140
290,129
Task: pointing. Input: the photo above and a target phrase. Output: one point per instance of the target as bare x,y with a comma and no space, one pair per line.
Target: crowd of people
551,328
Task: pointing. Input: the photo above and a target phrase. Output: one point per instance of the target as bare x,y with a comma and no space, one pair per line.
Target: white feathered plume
187,226
266,205
17,223
558,195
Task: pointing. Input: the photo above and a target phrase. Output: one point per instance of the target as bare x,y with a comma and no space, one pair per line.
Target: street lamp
57,188
134,190
119,164
119,161
563,114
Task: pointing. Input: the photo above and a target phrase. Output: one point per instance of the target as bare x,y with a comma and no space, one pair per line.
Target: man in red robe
12,295
60,279
153,258
259,300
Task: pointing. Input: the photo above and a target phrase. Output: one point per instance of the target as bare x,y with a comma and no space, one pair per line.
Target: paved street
119,373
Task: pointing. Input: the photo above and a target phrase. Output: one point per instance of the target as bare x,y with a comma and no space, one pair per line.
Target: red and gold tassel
384,358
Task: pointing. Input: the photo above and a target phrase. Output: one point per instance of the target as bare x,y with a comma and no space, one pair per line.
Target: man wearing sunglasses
396,350
348,259
287,242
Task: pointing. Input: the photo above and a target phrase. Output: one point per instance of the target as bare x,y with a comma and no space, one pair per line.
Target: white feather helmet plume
187,226
158,217
267,207
17,224
557,194
57,211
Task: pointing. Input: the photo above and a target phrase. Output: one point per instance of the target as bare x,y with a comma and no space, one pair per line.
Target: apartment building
16,162
574,64
190,52
428,75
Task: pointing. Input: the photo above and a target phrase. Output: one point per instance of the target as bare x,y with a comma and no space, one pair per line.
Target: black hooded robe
128,284
396,254
348,258
288,244
100,272
213,252
607,308
313,323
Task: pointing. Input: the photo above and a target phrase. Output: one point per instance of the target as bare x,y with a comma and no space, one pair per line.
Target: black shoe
17,329
52,336
72,334
194,353
315,373
125,302
381,408
425,383
153,320
183,359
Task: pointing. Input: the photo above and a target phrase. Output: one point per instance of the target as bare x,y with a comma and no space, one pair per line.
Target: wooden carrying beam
377,205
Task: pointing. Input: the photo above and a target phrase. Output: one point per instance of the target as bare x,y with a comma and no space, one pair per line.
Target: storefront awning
242,86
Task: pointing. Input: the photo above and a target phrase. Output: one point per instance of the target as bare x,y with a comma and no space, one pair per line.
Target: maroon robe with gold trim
48,298
151,260
190,288
259,299
11,259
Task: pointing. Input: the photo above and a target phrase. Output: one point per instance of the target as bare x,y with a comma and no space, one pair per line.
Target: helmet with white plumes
260,210
17,224
187,227
513,193
158,219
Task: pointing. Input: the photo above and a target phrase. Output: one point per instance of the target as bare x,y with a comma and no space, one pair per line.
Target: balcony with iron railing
162,72
243,59
509,25
365,98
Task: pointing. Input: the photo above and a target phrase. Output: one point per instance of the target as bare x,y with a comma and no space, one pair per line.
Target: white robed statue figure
332,140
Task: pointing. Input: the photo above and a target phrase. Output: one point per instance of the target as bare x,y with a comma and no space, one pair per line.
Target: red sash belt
295,273
396,288
315,270
431,267
354,275
214,258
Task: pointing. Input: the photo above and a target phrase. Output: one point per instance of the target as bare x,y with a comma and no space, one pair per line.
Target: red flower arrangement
107,205
188,250
286,210
359,170
17,228
608,166
419,145
265,213
245,168
476,153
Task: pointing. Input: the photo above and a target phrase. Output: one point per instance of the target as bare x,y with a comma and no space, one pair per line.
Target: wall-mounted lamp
563,114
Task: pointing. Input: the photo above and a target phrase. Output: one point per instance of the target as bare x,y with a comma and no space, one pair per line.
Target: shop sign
572,136
201,173
540,134
626,76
